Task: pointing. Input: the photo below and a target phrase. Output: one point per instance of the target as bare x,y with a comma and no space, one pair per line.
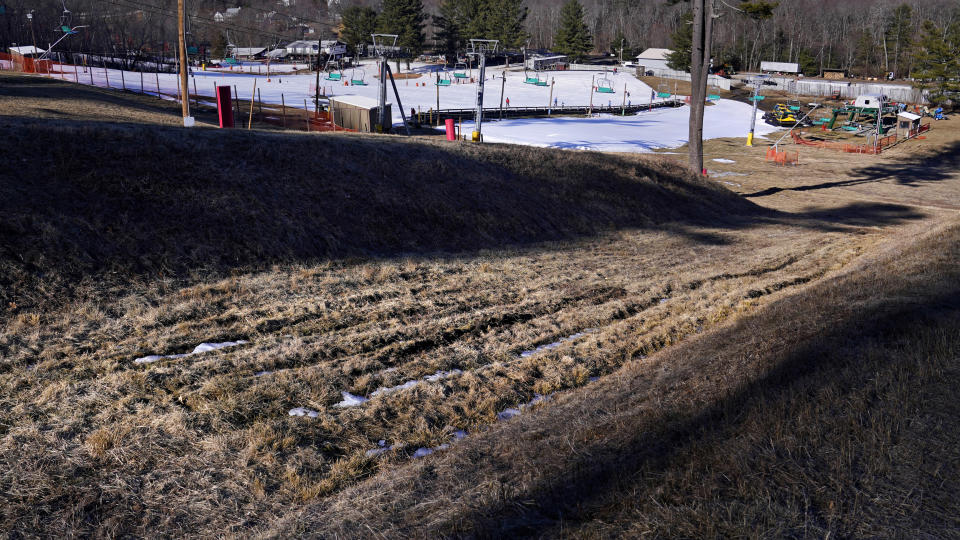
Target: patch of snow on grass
262,373
555,344
722,160
350,400
301,411
438,376
201,348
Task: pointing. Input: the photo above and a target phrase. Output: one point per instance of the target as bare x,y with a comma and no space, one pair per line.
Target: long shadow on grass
619,477
91,198
914,171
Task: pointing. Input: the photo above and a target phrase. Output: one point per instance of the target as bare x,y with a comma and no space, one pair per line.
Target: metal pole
403,114
503,85
383,92
477,134
550,100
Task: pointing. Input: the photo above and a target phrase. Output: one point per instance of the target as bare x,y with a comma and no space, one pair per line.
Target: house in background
654,58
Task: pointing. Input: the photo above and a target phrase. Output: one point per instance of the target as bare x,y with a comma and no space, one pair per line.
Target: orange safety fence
782,157
850,148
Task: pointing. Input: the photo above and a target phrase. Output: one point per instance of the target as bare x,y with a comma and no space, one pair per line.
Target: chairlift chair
460,70
605,86
444,78
331,75
358,81
663,91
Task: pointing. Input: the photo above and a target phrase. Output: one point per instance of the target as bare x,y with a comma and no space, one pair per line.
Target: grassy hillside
97,200
465,279
826,414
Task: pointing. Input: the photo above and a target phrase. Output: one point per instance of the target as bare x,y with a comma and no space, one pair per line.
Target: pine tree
406,19
937,59
620,42
358,23
682,37
573,37
505,22
220,44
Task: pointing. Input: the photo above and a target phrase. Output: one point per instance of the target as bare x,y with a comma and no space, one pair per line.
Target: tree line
863,37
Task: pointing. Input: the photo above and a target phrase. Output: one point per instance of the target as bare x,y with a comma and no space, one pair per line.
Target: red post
451,133
225,106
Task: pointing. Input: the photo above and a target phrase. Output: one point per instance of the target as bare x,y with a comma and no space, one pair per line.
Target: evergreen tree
937,59
406,19
358,23
505,21
461,20
620,41
573,37
219,49
679,59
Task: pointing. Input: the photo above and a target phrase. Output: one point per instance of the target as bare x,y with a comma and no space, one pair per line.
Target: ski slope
665,128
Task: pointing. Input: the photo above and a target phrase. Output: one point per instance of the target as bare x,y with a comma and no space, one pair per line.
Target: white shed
654,58
908,124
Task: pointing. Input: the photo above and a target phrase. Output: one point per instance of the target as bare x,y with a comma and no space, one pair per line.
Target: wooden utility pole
182,46
699,68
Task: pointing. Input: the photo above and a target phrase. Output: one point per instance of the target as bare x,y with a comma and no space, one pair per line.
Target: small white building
28,50
654,58
908,124
249,53
779,67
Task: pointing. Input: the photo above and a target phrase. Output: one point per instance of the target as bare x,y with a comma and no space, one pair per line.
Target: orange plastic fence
849,148
783,157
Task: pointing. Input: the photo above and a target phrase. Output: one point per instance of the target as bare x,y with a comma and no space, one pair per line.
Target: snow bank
201,348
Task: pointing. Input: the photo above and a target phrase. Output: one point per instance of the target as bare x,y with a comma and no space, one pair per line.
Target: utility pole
699,64
32,35
182,46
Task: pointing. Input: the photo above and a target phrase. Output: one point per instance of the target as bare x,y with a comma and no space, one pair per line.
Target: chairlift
605,85
66,18
358,81
460,70
443,78
331,75
663,91
536,79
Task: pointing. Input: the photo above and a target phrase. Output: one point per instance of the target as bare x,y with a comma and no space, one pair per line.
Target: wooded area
863,37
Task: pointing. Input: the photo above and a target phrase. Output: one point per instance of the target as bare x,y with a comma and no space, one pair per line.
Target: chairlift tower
479,48
382,50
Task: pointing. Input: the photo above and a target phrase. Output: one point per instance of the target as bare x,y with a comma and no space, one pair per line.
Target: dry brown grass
345,276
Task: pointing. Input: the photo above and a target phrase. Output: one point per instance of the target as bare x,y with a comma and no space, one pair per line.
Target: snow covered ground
637,133
642,132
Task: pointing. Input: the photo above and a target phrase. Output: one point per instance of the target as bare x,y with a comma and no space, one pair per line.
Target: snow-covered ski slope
665,128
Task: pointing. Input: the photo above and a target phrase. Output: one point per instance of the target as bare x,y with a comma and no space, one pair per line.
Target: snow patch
350,400
301,411
723,160
262,373
555,344
438,376
201,348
